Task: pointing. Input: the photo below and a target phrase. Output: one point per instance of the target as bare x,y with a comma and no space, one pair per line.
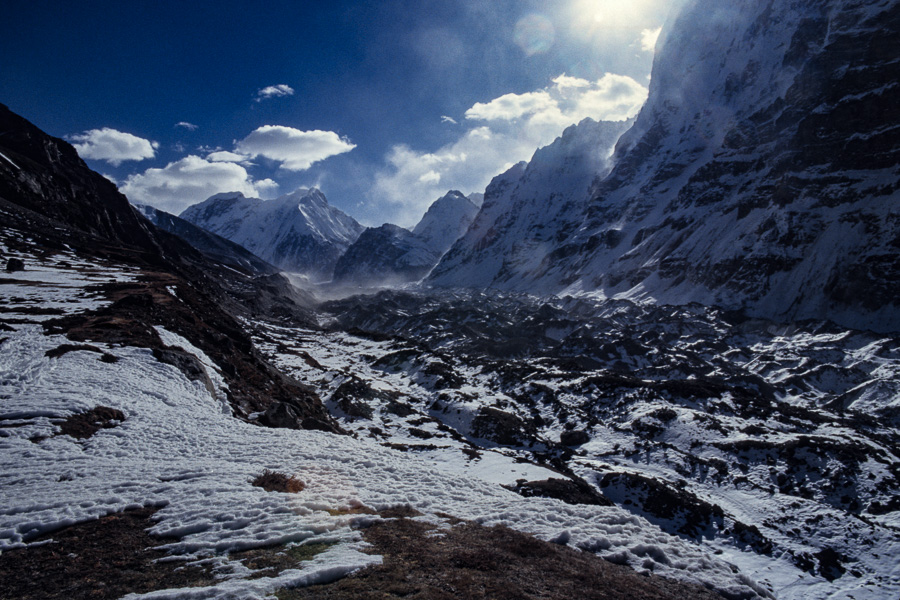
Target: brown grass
474,562
98,560
273,481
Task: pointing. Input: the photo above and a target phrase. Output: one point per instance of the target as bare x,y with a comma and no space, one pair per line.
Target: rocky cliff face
299,232
762,173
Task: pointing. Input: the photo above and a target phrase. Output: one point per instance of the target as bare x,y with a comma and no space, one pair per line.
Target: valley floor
757,499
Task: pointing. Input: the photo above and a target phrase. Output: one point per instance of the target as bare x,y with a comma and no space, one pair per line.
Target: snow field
177,449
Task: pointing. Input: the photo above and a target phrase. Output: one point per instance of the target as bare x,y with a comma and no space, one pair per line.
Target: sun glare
607,14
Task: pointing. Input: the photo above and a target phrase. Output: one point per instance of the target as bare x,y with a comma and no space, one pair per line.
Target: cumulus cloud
274,91
499,134
188,126
511,106
649,38
190,180
296,150
112,146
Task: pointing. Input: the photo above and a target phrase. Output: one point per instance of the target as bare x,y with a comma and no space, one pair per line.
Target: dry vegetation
272,481
423,562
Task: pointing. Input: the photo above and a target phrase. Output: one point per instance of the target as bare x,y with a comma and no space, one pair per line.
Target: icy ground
774,447
178,448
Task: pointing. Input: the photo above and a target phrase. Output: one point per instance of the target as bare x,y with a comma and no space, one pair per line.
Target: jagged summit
446,220
298,232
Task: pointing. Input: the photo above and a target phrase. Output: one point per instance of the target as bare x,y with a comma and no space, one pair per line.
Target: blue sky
383,105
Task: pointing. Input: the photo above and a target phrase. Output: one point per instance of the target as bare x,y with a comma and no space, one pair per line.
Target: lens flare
534,34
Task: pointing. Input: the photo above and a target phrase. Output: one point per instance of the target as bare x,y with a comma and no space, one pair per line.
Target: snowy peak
298,232
214,246
446,220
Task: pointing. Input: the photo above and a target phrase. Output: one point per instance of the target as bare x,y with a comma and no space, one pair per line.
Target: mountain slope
131,389
214,246
528,209
299,232
45,175
54,209
391,255
385,255
446,220
761,174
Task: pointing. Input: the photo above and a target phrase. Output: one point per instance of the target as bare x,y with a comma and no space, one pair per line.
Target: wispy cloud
274,91
649,38
226,156
496,135
190,180
296,150
112,146
446,119
188,126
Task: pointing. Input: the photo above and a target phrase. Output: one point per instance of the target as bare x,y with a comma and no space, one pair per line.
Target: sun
592,15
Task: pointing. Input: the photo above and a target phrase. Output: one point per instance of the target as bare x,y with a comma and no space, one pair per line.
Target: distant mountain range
763,177
298,232
391,255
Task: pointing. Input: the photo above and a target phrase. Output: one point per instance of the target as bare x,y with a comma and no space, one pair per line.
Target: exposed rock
15,264
574,438
570,491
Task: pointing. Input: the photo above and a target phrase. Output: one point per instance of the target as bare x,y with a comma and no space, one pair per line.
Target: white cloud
501,133
649,38
511,106
274,91
446,119
190,180
616,97
565,82
226,156
430,177
296,150
112,146
188,126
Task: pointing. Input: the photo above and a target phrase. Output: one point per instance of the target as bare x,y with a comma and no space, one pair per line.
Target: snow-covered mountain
391,255
298,232
385,255
446,220
214,246
761,174
528,209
